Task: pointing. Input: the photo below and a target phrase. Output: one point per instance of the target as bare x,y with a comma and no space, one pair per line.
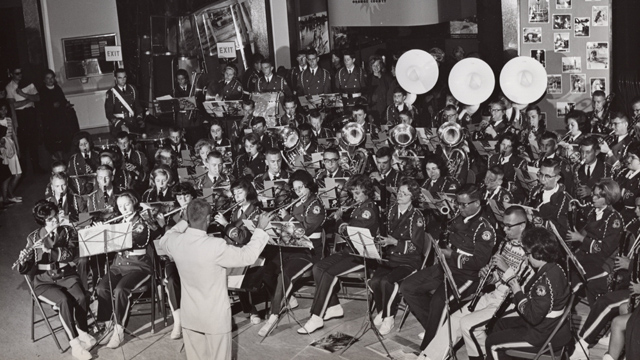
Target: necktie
240,213
60,200
588,171
313,72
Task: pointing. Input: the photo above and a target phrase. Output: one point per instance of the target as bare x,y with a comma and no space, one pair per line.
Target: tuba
451,136
291,145
353,135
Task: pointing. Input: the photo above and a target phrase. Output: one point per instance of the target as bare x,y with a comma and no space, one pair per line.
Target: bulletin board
572,40
85,57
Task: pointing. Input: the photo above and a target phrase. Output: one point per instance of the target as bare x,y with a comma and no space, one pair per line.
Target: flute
115,218
31,249
175,210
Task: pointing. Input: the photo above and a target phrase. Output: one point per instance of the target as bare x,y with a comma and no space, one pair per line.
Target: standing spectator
53,112
379,82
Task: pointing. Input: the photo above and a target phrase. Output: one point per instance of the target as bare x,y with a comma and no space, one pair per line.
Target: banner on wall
397,12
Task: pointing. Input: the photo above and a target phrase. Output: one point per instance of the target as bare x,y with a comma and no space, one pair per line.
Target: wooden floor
16,222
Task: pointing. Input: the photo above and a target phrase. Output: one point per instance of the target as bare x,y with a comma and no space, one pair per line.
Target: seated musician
216,134
597,117
103,198
83,161
177,142
310,212
549,198
385,174
407,242
57,167
532,129
548,150
599,239
121,179
591,170
467,323
576,122
131,268
202,148
251,163
513,115
215,177
629,182
332,169
493,189
238,128
509,161
438,179
392,114
230,87
165,156
316,119
290,118
607,306
360,116
275,169
68,204
162,180
47,259
259,128
309,141
616,150
326,305
491,129
270,82
473,238
134,162
540,303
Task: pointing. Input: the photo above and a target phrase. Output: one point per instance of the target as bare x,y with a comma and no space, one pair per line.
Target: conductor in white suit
202,261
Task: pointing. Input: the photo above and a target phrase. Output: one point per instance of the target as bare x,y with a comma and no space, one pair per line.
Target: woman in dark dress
56,126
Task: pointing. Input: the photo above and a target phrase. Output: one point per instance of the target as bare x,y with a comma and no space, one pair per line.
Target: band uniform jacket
366,215
276,84
600,170
231,90
116,111
122,180
236,225
53,266
314,84
292,122
634,265
180,147
514,162
392,178
139,160
311,214
542,302
221,181
446,184
268,141
630,188
250,81
499,194
392,114
473,243
409,230
293,77
179,92
259,180
619,150
143,233
598,249
351,83
98,200
70,207
153,195
566,171
256,164
78,165
555,210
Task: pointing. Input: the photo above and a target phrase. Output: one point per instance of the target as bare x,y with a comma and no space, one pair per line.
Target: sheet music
363,242
91,240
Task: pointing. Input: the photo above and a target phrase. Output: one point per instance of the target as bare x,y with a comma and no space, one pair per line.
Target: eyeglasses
330,160
511,226
464,205
542,176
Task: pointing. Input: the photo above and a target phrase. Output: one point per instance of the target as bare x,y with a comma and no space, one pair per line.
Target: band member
252,162
532,129
548,150
259,127
162,180
592,169
316,119
576,122
509,262
407,241
216,134
308,140
598,119
290,117
215,178
540,303
438,179
616,150
332,169
231,88
252,75
47,259
84,161
549,198
392,115
509,161
238,127
183,88
385,174
351,80
326,305
498,122
449,114
122,106
68,204
103,198
493,189
314,80
130,269
473,238
310,212
293,76
275,171
629,182
121,179
134,162
455,151
270,82
202,148
164,156
513,115
177,143
360,116
599,239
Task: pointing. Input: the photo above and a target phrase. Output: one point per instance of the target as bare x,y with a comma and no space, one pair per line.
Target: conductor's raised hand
263,220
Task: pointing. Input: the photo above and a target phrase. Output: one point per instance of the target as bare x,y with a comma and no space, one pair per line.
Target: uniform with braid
445,184
69,205
554,209
79,165
629,182
404,258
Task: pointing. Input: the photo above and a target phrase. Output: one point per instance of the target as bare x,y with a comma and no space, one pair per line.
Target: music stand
571,258
363,249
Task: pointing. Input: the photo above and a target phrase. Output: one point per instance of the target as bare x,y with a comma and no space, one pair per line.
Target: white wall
280,29
74,18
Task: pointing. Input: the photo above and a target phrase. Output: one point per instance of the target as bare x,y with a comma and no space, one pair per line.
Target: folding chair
546,352
44,317
403,305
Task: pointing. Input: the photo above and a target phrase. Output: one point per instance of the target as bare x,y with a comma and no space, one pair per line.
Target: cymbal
471,81
523,80
417,71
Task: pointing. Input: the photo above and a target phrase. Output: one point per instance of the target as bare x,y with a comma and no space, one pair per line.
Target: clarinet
478,293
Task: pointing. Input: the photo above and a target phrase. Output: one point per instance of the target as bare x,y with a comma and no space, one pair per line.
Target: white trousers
201,346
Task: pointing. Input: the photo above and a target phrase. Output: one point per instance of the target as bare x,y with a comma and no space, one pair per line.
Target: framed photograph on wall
600,15
598,83
581,26
314,32
540,56
563,4
571,64
561,42
554,84
578,83
532,35
563,108
539,11
562,22
597,55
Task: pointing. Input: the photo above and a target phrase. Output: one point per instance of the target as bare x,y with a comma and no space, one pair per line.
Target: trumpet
608,139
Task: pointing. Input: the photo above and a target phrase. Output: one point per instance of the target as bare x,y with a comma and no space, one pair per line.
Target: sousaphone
471,81
523,80
417,71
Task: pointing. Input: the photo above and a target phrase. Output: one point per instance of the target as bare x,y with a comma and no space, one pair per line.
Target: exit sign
227,50
113,53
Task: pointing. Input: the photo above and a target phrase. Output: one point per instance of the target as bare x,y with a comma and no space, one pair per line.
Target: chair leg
46,321
33,318
405,315
153,305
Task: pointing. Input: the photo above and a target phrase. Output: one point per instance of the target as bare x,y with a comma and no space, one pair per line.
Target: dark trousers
325,276
273,279
509,334
594,288
252,283
122,285
603,311
28,135
95,264
68,296
632,335
385,284
424,292
173,284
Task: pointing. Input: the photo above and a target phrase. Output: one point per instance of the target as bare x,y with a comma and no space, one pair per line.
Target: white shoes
605,340
333,312
176,333
578,353
387,325
108,326
377,321
293,303
117,337
79,352
86,340
607,357
255,319
313,324
265,328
